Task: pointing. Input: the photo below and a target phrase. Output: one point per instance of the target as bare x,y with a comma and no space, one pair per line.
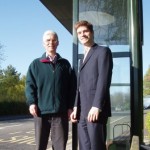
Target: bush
13,108
147,123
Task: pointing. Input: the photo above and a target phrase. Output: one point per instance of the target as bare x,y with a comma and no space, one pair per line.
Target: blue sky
22,25
146,47
21,29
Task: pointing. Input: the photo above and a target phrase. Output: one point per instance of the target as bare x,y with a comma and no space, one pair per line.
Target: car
146,102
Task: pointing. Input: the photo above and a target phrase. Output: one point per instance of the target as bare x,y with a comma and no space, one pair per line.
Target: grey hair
48,32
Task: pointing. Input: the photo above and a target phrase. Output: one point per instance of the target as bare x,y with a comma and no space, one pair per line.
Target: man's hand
33,110
73,115
69,113
93,114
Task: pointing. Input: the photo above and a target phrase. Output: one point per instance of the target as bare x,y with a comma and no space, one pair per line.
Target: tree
146,83
10,80
120,100
147,123
12,95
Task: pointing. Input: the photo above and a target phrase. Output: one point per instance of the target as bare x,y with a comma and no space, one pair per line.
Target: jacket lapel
90,53
86,59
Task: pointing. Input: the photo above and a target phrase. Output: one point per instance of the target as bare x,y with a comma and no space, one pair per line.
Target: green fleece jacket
51,87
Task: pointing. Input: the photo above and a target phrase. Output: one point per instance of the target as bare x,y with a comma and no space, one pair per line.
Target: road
19,135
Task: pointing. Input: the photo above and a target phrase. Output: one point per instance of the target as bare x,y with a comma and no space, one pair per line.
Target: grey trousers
57,125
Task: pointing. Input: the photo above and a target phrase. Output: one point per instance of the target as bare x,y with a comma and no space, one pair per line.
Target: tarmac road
18,134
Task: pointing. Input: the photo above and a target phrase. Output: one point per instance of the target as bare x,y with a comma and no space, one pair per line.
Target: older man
50,94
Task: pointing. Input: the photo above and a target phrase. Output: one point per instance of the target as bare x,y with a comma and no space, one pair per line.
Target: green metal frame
136,39
75,66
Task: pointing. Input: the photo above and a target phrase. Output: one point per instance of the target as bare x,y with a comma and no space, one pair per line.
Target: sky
22,24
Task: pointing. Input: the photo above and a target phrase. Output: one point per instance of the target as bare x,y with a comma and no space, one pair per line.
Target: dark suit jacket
94,81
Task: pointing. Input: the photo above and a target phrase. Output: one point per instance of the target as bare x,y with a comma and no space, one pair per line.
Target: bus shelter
118,24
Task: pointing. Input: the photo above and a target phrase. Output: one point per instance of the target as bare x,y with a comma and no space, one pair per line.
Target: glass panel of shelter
110,21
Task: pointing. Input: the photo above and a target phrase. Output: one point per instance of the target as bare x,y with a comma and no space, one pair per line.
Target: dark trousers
92,136
57,125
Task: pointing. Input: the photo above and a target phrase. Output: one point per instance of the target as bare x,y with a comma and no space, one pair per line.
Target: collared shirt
85,53
52,59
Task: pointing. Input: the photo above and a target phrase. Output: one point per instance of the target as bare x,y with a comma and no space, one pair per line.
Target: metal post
75,66
136,69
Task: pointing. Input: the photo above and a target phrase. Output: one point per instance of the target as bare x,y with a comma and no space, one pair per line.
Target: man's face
85,36
50,43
